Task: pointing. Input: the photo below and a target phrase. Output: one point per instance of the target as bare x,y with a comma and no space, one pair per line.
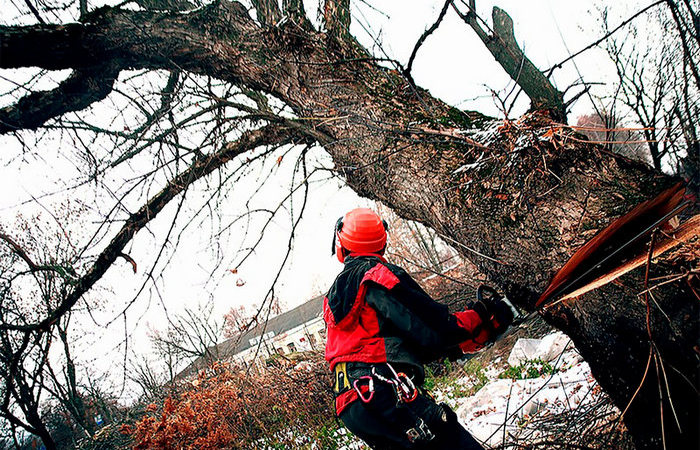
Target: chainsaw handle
485,289
493,296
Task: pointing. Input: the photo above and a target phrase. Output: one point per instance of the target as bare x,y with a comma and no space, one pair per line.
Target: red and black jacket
375,313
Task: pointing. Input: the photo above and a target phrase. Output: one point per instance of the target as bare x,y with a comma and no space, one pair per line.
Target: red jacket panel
375,312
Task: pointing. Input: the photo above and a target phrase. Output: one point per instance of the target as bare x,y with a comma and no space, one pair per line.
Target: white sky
452,64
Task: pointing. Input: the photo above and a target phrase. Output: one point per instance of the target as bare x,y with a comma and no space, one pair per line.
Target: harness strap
344,400
348,391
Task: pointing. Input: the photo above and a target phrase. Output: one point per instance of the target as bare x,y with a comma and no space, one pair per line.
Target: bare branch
34,11
505,49
425,35
33,267
19,251
268,12
684,40
336,15
220,40
202,166
605,36
83,88
294,9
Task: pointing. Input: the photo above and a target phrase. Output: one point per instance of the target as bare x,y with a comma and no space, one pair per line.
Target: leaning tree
518,198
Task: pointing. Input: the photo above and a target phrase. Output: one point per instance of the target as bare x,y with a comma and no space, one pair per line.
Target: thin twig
607,35
424,36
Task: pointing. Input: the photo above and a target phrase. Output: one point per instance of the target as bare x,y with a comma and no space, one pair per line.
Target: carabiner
408,389
370,388
405,389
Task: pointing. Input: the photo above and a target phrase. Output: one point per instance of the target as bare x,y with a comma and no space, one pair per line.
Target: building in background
297,330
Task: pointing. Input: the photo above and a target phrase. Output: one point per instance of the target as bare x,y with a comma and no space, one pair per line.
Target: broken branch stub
505,49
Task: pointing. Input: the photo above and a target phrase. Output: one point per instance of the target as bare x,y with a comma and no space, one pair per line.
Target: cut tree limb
505,49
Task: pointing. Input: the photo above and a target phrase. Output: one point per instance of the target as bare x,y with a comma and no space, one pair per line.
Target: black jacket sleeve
425,325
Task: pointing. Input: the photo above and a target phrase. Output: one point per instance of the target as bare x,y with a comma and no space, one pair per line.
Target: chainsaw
486,294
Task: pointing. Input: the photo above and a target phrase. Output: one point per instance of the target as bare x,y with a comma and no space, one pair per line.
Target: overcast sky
452,64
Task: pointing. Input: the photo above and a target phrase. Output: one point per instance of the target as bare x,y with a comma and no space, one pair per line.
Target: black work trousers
383,424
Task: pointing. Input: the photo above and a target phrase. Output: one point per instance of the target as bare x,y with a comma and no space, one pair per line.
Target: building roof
279,324
282,323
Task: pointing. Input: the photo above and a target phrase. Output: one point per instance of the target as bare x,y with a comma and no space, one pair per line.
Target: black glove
493,311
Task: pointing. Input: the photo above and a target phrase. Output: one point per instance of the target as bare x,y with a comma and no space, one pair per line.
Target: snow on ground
516,402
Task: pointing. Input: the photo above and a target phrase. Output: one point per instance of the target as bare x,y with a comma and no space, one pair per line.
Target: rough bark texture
525,194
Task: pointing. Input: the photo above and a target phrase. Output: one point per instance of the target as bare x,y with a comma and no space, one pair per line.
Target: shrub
452,381
226,408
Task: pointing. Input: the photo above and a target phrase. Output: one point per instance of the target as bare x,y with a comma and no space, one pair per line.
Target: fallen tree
518,198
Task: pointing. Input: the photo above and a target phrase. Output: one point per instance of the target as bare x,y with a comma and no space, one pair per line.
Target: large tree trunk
523,196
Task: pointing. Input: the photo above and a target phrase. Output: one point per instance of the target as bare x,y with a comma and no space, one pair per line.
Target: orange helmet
359,231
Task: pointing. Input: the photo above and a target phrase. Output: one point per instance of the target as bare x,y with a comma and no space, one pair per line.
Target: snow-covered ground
502,409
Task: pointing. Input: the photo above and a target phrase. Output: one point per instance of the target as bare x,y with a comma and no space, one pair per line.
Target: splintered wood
685,233
620,230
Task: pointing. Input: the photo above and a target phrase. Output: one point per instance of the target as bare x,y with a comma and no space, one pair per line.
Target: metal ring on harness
409,392
405,389
419,433
370,385
395,384
381,378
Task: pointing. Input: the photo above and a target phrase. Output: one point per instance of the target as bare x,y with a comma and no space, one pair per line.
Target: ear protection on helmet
335,247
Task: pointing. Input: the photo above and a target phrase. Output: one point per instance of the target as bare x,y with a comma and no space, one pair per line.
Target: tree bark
524,194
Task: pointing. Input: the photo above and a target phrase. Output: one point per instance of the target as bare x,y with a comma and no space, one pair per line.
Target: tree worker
381,328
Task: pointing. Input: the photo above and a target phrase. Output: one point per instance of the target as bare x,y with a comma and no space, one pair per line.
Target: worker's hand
471,321
492,309
494,312
476,343
494,317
